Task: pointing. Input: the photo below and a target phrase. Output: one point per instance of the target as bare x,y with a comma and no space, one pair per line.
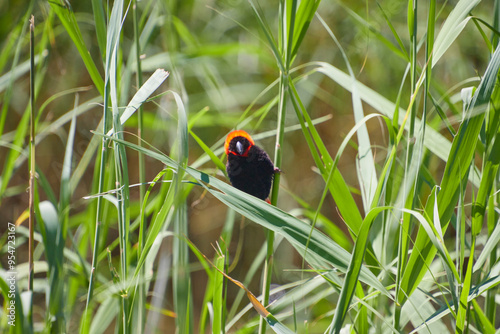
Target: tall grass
383,119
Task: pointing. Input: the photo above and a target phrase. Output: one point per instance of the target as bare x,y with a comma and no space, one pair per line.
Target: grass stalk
103,160
218,295
490,304
31,270
409,202
268,264
286,39
142,176
15,61
99,216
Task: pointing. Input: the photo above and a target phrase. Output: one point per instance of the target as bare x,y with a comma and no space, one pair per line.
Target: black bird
248,166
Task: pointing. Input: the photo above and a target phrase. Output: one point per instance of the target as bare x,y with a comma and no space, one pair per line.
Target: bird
248,167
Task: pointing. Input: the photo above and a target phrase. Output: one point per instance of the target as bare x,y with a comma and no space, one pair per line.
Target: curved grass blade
16,319
148,88
452,27
477,291
7,79
351,279
67,17
433,140
489,247
100,26
454,178
321,248
303,18
367,174
337,186
218,162
181,278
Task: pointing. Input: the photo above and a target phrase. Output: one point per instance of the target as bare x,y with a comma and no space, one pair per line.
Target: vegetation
383,116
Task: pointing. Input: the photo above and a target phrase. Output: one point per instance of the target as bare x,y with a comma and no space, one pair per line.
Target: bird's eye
239,148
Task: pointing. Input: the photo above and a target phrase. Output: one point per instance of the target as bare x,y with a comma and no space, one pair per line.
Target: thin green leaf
464,301
142,95
489,248
367,174
454,177
352,274
218,290
304,16
293,229
67,17
215,159
338,187
452,27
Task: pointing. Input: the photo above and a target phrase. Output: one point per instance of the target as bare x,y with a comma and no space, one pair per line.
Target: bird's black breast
252,174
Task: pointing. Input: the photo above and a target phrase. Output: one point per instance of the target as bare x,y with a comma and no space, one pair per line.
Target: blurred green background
222,66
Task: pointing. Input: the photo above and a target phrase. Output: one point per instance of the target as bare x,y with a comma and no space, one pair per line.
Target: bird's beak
239,148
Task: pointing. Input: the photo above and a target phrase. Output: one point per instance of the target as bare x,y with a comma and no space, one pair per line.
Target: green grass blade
464,302
304,16
394,33
65,191
289,30
181,279
367,175
104,316
9,78
454,177
218,290
488,249
490,166
32,161
435,235
161,220
215,159
293,229
452,27
277,326
352,274
120,164
485,325
18,71
267,31
100,26
16,320
142,95
338,187
479,290
67,17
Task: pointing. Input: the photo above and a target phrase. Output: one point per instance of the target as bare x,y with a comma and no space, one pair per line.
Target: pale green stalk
142,176
286,39
31,273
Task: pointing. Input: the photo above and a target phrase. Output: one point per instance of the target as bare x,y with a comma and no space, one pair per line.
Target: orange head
238,142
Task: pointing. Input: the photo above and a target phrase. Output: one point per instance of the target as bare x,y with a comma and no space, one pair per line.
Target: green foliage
382,229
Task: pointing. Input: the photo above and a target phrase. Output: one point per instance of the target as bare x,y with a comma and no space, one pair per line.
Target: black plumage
248,166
